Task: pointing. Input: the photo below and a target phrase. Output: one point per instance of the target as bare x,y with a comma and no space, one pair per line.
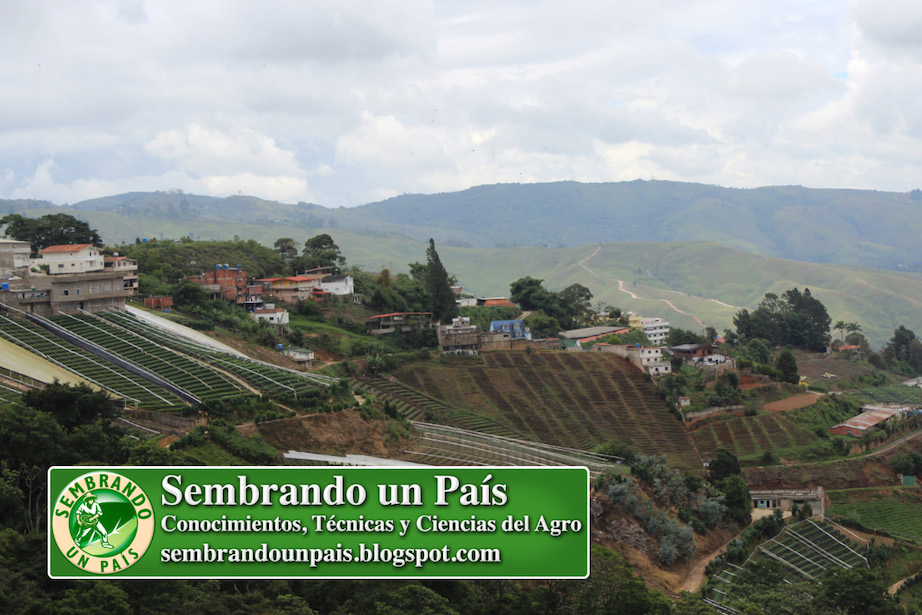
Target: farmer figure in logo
88,514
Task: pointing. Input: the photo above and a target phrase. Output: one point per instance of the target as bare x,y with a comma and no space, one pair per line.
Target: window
61,266
77,291
66,292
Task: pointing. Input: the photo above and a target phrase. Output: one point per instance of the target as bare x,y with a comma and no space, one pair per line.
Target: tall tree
286,247
442,296
786,363
49,230
321,251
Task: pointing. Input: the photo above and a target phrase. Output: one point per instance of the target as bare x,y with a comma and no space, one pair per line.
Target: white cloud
341,102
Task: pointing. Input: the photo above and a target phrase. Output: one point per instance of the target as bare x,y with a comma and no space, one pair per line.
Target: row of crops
898,514
417,406
135,390
218,379
444,445
749,437
280,383
575,400
891,393
9,394
182,371
803,550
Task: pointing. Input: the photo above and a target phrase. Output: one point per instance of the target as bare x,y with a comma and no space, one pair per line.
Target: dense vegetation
794,319
49,230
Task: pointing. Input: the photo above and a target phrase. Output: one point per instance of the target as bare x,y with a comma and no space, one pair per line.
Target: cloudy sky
342,103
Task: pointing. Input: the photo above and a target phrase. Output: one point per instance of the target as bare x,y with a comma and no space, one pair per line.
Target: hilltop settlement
769,467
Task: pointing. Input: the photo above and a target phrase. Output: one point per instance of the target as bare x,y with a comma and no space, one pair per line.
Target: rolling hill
849,227
630,243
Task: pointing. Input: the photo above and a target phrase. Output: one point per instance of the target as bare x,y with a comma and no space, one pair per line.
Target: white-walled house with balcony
76,258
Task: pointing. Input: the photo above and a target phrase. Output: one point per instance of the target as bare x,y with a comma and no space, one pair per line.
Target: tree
49,230
577,300
855,590
840,327
444,307
320,251
787,365
724,465
286,247
737,499
794,319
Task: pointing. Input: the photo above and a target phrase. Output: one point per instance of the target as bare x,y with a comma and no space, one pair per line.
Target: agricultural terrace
283,385
749,437
897,511
182,371
120,382
575,400
823,368
804,550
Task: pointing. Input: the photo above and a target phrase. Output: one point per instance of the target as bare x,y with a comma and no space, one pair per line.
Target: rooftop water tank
5,286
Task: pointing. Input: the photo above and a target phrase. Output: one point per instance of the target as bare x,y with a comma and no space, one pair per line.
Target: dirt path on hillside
792,403
696,576
583,264
887,447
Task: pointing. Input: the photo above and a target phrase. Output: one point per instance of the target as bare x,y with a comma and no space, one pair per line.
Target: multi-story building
230,284
128,268
14,258
656,329
293,288
648,358
47,295
76,258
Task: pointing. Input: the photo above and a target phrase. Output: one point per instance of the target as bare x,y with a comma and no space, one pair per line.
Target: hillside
577,400
849,227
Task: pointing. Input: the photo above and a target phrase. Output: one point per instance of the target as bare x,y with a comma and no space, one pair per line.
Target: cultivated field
896,511
577,400
748,437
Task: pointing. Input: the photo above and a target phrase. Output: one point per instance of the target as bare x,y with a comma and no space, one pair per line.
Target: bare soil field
792,403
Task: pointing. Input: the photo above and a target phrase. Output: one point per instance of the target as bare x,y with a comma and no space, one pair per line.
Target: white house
272,315
77,258
337,285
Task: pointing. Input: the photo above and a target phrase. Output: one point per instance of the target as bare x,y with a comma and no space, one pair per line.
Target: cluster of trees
318,251
555,311
794,319
427,288
903,354
49,230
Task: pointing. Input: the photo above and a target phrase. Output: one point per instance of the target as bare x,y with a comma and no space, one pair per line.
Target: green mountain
692,253
848,227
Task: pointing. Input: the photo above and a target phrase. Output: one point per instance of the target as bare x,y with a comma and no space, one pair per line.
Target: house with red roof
75,258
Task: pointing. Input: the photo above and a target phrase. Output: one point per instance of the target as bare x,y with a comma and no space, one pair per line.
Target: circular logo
103,522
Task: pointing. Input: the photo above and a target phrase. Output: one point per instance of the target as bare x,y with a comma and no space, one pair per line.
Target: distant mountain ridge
849,227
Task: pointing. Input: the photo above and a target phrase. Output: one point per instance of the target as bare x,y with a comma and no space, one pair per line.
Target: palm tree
840,326
852,327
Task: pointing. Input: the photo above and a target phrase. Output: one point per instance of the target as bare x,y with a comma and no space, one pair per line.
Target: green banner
318,522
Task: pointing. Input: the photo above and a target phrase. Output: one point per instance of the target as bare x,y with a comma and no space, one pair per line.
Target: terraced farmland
122,383
575,400
272,381
9,394
803,550
182,371
897,511
749,436
816,366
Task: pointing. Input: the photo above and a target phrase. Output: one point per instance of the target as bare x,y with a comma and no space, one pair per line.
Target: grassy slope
898,511
880,300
